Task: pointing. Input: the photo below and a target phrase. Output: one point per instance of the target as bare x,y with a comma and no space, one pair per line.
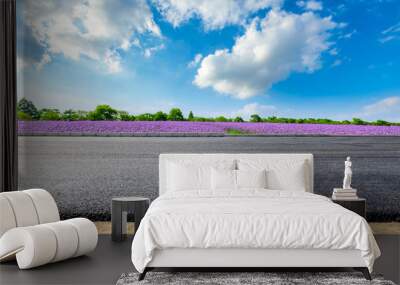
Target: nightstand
120,207
357,205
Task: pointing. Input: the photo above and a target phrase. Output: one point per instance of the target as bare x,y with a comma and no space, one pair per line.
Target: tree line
27,111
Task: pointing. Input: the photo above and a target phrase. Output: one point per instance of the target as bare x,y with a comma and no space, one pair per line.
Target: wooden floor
386,228
377,228
110,259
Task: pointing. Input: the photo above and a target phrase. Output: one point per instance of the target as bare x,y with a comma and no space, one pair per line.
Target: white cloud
113,61
389,34
255,108
21,64
383,40
393,29
337,62
387,109
268,52
148,52
341,7
310,5
89,28
333,51
214,14
126,44
348,35
196,60
43,61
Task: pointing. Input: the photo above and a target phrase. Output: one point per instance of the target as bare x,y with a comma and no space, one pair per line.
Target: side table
357,205
120,207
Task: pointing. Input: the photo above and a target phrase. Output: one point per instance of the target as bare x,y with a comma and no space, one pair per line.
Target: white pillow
181,177
185,175
282,174
251,178
223,179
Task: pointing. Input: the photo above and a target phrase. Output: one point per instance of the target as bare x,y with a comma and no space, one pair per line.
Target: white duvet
250,219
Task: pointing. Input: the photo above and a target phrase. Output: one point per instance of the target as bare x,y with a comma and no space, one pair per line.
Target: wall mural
105,86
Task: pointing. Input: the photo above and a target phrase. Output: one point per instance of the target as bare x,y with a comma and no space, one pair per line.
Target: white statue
347,174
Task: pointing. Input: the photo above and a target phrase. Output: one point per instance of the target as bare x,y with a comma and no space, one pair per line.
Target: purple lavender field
110,128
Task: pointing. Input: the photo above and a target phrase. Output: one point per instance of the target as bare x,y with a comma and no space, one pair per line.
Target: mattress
250,219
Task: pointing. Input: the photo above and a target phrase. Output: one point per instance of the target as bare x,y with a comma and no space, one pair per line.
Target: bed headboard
165,157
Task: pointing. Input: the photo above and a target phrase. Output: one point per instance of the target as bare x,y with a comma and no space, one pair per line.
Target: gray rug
243,278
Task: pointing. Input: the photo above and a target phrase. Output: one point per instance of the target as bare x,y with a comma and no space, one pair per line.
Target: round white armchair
31,230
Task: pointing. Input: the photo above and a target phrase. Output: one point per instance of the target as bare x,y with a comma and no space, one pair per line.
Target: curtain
8,97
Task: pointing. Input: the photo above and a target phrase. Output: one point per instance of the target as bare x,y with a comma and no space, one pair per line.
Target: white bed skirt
189,257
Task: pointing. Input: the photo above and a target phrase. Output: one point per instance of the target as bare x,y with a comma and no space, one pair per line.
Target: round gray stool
120,207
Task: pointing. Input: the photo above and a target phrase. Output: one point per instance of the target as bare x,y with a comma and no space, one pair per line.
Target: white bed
249,227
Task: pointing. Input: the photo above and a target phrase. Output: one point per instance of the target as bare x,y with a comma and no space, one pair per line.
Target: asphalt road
84,173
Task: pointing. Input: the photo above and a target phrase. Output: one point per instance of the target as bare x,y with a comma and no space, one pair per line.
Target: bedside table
120,207
358,205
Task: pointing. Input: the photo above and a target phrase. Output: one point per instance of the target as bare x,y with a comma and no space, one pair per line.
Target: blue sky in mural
336,59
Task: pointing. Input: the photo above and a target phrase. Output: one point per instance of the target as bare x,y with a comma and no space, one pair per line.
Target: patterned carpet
243,278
